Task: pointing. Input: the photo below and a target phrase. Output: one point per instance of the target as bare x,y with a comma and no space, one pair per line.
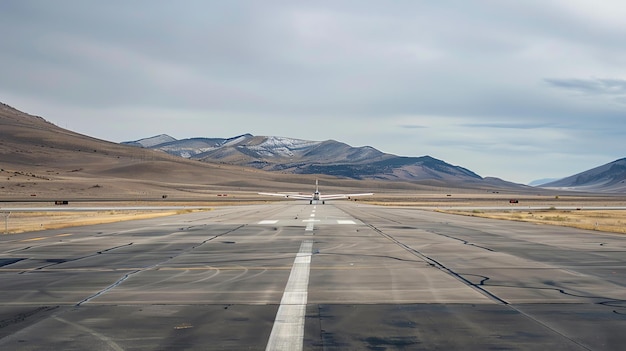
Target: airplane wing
316,196
342,196
292,196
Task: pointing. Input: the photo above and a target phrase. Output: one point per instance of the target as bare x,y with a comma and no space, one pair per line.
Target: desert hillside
608,178
41,161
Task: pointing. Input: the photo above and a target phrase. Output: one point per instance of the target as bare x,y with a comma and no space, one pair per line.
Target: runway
293,276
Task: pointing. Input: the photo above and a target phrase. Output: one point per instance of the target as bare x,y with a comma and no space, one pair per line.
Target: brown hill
608,178
41,161
298,156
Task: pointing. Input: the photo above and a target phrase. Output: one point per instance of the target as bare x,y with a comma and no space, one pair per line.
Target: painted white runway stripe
268,221
309,227
343,221
288,330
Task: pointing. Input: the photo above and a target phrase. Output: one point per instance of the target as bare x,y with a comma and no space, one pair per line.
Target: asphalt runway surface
293,276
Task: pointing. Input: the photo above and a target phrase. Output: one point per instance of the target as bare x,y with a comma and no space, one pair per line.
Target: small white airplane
316,196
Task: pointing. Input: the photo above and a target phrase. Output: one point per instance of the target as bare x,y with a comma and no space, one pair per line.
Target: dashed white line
268,221
344,221
288,330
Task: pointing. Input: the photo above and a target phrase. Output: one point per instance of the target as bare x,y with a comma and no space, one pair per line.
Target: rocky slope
40,161
299,156
610,177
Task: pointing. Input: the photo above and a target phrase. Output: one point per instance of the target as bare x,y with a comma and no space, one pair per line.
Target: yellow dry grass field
613,221
19,222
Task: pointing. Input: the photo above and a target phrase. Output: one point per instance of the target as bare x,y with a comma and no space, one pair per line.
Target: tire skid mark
112,344
60,261
152,266
479,287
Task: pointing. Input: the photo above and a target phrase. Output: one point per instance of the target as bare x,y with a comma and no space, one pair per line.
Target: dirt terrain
18,222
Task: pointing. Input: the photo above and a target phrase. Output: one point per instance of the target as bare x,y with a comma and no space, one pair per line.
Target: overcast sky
519,90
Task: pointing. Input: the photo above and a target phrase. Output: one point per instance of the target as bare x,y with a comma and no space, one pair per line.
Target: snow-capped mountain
187,148
299,156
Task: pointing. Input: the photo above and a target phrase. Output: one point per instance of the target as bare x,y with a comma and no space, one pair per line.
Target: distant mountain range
38,157
40,161
299,156
610,177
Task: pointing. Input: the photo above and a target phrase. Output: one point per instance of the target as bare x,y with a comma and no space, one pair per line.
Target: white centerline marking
269,221
345,221
288,330
312,215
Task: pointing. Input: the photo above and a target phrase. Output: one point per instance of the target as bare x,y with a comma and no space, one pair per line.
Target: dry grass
19,222
601,220
613,221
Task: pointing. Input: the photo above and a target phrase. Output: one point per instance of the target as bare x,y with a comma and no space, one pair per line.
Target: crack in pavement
127,275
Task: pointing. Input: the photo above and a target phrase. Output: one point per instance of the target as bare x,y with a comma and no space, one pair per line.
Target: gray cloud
412,126
601,87
511,125
462,81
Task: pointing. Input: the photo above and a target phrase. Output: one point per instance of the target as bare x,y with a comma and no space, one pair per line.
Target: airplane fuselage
316,197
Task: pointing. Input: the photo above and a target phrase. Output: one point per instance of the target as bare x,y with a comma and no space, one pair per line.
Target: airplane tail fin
317,190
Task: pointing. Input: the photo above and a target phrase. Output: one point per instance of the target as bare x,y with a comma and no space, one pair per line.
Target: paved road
293,276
